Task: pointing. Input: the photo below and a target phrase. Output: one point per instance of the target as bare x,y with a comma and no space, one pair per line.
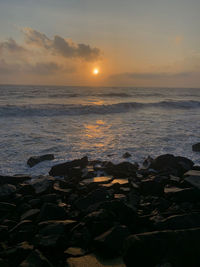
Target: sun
95,71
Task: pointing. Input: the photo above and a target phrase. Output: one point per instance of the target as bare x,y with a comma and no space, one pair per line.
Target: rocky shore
94,213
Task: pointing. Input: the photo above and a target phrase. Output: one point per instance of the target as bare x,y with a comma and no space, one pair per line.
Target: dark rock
15,180
30,214
58,189
36,259
96,196
23,231
99,221
174,165
54,234
16,254
32,161
180,248
69,168
111,242
51,198
121,170
125,215
151,187
93,261
51,211
7,190
183,221
196,147
3,232
42,184
6,208
97,180
126,155
80,236
35,203
74,252
183,194
26,189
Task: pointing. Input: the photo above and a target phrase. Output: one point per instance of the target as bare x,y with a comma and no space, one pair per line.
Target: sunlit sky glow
133,43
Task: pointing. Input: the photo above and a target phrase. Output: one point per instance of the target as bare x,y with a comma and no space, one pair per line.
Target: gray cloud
11,46
59,45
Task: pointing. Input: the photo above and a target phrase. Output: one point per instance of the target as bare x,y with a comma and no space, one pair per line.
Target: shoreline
99,213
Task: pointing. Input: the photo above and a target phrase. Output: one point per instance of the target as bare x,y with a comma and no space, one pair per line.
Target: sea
100,122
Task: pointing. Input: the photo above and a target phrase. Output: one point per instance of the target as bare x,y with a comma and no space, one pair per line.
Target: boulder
196,147
36,259
111,242
42,184
71,168
179,248
171,164
121,170
32,161
126,155
30,214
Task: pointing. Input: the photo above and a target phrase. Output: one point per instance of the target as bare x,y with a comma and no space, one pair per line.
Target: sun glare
95,71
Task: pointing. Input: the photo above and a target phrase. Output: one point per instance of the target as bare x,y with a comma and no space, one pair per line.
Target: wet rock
3,232
36,259
58,189
6,208
196,147
179,247
192,177
80,236
174,165
151,187
69,168
26,189
50,211
147,162
23,231
111,242
126,155
32,161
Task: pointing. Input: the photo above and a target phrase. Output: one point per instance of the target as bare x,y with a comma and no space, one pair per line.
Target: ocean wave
59,110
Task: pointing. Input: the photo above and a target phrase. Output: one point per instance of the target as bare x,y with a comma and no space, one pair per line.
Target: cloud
148,75
61,46
11,46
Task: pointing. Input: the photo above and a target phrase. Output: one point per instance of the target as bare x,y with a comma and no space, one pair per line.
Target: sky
152,43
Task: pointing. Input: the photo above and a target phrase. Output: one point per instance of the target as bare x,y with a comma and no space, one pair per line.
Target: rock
42,184
125,215
99,221
97,180
54,233
111,242
30,214
75,252
151,187
179,248
174,165
183,221
121,170
16,254
96,196
36,259
50,211
126,155
23,231
58,189
147,162
6,208
26,189
194,181
196,147
32,161
182,194
69,168
14,180
3,233
94,261
7,190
